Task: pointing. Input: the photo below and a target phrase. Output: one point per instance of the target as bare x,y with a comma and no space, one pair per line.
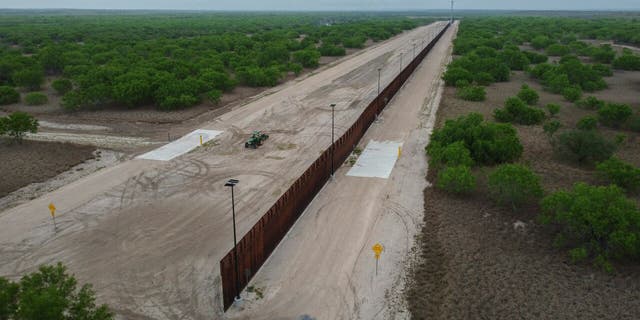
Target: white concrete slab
377,160
180,146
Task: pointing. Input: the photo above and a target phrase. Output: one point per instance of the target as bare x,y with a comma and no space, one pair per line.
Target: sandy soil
136,230
325,269
29,162
479,261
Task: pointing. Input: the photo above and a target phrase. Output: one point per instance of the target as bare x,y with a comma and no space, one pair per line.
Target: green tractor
256,140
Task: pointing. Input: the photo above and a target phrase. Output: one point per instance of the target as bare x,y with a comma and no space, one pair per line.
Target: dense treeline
174,61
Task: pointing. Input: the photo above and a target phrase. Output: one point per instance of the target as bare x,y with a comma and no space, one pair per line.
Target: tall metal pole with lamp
232,183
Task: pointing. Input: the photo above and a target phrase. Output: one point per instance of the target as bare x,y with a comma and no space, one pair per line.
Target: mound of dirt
34,161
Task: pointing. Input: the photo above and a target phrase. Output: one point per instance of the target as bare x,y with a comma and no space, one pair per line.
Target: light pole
379,70
232,183
333,109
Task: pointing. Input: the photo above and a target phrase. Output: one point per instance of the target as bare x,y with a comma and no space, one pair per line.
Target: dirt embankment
34,161
479,261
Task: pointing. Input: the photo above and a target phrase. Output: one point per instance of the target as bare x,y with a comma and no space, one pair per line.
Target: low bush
62,86
471,93
614,114
454,154
620,173
35,99
627,62
214,96
17,124
457,179
551,127
634,123
528,95
590,103
462,83
600,221
489,143
557,50
587,123
572,94
454,74
517,111
553,109
582,146
483,78
514,185
602,69
8,95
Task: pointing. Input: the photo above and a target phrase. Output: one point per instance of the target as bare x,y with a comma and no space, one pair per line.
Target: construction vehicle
256,140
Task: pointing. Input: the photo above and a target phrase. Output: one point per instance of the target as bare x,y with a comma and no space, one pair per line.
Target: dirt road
325,267
149,234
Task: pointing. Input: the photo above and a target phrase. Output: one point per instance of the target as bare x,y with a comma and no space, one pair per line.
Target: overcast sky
362,5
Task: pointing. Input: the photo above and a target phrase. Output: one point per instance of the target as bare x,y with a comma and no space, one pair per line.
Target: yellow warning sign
52,208
377,249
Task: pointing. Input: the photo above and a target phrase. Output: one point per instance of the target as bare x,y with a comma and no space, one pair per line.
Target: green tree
49,293
35,99
528,95
600,221
583,146
553,109
471,93
454,154
514,185
455,74
18,124
622,174
62,86
8,95
308,58
456,179
31,78
614,114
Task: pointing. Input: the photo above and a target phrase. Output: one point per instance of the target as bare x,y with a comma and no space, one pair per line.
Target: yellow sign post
52,208
200,139
377,250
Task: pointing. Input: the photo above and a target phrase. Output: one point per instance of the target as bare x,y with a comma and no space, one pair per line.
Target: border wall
262,239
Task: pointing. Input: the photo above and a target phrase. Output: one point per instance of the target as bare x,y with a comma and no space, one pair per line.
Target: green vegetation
49,293
553,109
528,95
514,185
627,62
551,127
516,111
17,124
8,95
597,222
472,93
587,123
590,103
572,94
174,60
620,173
488,143
614,114
583,146
456,179
35,98
454,154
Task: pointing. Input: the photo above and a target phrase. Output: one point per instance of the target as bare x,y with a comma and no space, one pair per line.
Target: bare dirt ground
149,235
324,268
31,161
479,261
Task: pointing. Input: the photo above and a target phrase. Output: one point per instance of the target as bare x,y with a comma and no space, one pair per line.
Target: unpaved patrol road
150,234
325,267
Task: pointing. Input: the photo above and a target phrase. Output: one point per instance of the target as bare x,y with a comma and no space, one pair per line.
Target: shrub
634,123
558,50
517,111
627,62
8,95
29,78
551,127
453,74
462,83
614,114
17,125
620,173
483,78
35,99
573,93
62,86
602,70
72,101
214,96
457,179
49,293
583,146
553,109
489,143
591,103
514,185
455,154
528,95
587,123
472,93
598,220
